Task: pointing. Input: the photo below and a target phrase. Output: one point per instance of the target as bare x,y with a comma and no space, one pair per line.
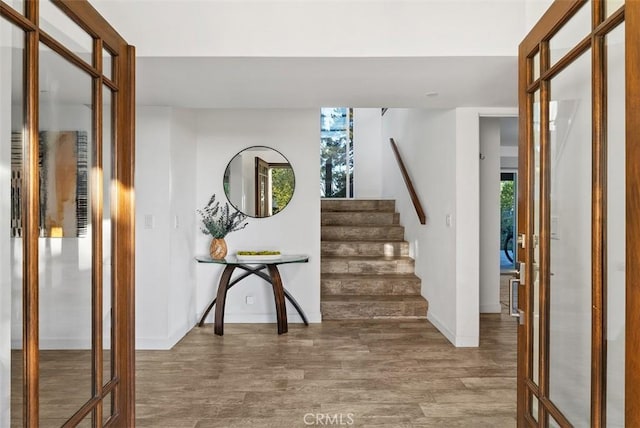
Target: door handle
522,272
514,311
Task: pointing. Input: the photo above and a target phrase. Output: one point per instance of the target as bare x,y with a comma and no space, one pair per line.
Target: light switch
149,221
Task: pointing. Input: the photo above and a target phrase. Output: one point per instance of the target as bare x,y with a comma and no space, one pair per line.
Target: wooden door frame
558,13
121,83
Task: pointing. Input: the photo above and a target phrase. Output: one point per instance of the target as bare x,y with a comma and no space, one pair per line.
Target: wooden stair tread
372,298
391,277
366,241
368,258
364,225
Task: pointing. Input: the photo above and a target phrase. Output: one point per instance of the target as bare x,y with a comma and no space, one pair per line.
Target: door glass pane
11,139
107,408
612,5
65,244
534,407
536,66
107,64
578,27
107,150
616,231
570,246
336,153
536,247
59,26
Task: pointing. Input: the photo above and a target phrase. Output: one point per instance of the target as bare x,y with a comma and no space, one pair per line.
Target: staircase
366,271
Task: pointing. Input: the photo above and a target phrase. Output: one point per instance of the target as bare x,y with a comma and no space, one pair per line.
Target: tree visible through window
336,152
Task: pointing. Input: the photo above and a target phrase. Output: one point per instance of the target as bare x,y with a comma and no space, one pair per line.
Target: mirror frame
272,165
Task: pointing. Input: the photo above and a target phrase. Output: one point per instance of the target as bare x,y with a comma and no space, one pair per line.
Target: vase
218,248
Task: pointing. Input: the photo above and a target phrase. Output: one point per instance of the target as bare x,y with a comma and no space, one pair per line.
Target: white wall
467,226
534,9
165,225
447,249
296,134
319,28
153,230
182,305
427,137
490,215
367,152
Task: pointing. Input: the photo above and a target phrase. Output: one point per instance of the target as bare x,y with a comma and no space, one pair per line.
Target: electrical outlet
249,300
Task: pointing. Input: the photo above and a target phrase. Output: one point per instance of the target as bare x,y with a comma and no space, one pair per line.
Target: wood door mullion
598,226
632,340
124,243
31,228
122,85
97,207
525,127
558,14
543,238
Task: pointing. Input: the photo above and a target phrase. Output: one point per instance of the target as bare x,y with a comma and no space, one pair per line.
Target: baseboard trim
292,317
457,341
441,327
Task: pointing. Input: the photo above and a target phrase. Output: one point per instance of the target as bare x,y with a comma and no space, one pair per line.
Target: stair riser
374,233
369,267
383,286
387,249
357,205
358,218
367,310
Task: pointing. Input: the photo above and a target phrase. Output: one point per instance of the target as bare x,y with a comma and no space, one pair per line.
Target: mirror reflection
259,181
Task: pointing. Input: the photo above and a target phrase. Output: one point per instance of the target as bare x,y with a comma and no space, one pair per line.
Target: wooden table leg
278,295
231,284
221,300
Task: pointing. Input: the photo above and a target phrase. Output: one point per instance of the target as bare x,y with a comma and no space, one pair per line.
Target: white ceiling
322,53
208,82
308,82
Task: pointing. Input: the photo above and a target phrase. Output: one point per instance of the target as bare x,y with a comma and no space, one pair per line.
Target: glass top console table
253,266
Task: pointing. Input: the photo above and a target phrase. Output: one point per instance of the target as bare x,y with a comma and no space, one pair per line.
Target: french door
579,292
67,138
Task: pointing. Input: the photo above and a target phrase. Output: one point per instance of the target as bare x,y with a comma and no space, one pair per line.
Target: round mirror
259,181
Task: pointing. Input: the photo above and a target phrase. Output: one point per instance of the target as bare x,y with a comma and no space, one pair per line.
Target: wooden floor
374,373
